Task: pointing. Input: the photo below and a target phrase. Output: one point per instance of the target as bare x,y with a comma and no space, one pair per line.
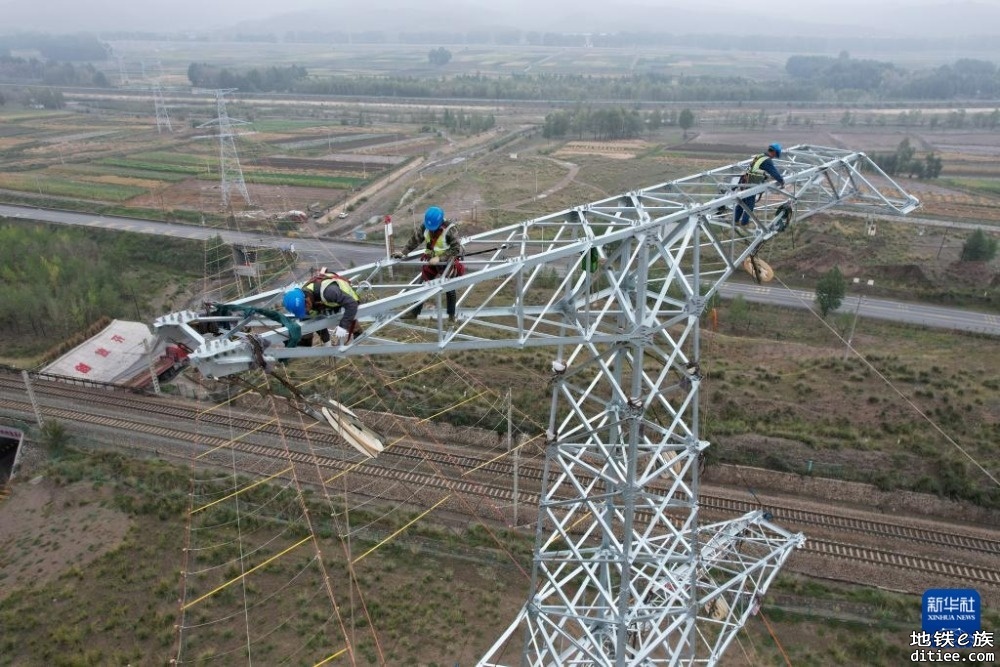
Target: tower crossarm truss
624,572
571,278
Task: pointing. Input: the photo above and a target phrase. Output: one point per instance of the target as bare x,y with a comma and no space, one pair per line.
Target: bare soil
49,529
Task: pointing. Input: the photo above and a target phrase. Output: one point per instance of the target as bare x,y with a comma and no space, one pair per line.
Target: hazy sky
793,17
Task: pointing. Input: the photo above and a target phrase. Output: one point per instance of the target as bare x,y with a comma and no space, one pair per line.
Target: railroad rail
477,474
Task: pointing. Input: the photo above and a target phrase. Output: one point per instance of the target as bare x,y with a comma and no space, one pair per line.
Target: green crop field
174,158
46,184
93,170
302,180
203,170
289,125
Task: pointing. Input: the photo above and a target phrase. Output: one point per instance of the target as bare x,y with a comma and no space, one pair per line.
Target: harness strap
433,239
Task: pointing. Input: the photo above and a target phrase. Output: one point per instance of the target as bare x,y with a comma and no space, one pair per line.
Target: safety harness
754,175
318,284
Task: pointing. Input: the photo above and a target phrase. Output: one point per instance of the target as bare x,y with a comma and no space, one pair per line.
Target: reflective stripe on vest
345,287
440,244
754,173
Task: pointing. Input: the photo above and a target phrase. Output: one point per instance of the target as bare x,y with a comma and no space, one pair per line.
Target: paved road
335,254
883,309
339,254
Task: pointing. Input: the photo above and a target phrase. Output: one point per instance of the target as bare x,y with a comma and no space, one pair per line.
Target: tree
439,56
49,98
903,161
686,121
979,247
655,120
904,152
830,290
932,166
556,125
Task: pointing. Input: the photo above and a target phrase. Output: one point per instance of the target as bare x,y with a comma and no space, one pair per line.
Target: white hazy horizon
892,18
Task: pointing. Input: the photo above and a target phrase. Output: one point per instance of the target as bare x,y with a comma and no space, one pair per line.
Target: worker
761,167
326,293
442,249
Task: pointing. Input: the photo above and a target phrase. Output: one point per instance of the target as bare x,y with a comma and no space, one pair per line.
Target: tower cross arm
606,271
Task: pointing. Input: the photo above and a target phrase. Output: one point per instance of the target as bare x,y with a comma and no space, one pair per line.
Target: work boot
409,315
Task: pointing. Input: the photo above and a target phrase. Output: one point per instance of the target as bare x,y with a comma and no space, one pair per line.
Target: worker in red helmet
442,248
761,167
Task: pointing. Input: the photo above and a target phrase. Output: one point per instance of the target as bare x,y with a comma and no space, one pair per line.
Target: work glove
434,260
340,335
397,255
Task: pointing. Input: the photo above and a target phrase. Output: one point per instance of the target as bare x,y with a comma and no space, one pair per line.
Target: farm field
67,160
411,59
778,392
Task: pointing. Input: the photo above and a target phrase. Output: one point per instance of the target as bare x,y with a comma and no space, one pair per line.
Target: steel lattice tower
162,117
160,105
230,171
624,570
119,63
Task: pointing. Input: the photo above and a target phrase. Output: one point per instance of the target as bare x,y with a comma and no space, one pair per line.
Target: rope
899,393
777,642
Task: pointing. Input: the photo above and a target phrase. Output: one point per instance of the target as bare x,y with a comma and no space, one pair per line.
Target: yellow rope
242,435
242,576
415,519
328,659
245,488
448,409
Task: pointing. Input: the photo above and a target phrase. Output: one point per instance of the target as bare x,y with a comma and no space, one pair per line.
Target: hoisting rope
291,325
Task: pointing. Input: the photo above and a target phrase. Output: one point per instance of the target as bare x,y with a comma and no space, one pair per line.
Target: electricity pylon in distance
230,171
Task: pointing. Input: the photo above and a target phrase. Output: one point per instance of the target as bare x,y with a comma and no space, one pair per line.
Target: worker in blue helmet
761,167
442,251
325,293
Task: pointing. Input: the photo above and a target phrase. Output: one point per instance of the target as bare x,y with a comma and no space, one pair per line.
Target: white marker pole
388,241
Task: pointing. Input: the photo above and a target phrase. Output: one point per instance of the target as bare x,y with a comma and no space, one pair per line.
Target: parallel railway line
469,474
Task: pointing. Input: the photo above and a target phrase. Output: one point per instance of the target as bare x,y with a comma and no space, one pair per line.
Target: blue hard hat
295,302
776,148
433,218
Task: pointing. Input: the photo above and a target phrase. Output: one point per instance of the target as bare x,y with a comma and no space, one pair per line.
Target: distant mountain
823,19
933,19
820,18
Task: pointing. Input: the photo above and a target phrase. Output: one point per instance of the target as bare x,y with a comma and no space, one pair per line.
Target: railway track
465,475
799,517
940,568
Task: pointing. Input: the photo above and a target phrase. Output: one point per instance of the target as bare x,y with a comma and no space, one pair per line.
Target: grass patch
95,169
302,180
986,186
46,184
204,169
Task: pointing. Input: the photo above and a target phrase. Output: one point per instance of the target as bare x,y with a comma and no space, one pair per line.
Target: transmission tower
230,171
625,572
162,117
119,62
